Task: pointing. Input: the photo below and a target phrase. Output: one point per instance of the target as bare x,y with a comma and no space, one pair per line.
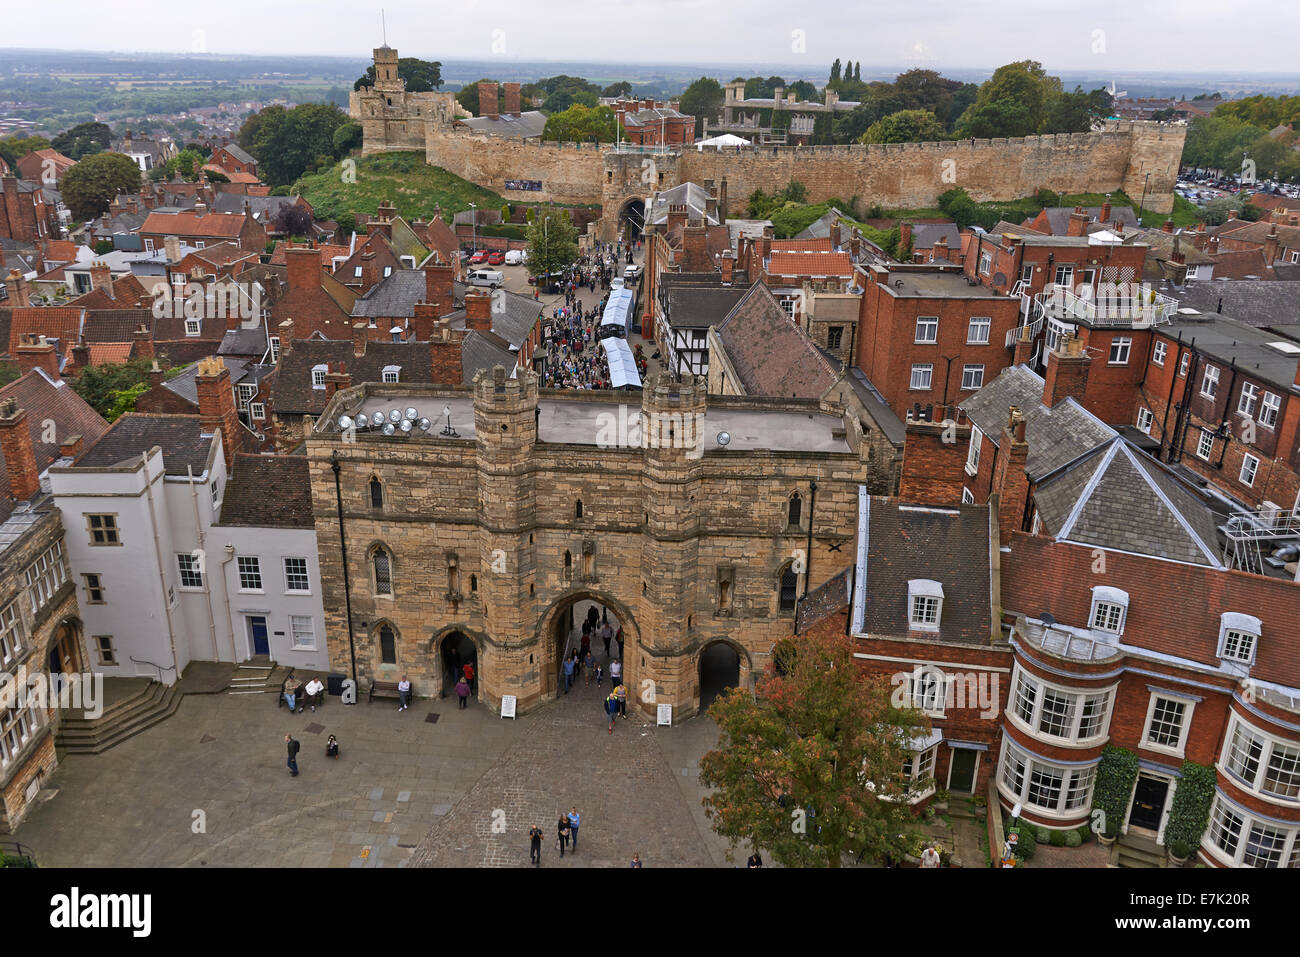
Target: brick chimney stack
217,406
444,355
512,100
695,248
1105,211
369,272
1067,372
20,457
905,241
286,337
728,266
304,268
337,379
1010,482
38,352
19,292
940,249
1167,226
70,448
155,376
676,216
438,277
487,99
360,334
423,320
1270,246
142,340
1024,350
1078,225
934,459
478,310
80,354
172,246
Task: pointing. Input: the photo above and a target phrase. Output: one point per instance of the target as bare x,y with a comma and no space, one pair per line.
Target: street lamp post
1142,204
473,226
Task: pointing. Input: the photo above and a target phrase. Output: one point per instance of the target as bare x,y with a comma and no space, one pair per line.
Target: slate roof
1055,435
769,353
127,291
238,152
697,306
925,234
949,546
1243,264
820,228
244,342
1116,496
525,126
263,208
1230,341
268,491
1257,232
694,196
185,383
479,350
47,401
179,436
115,325
294,393
1260,303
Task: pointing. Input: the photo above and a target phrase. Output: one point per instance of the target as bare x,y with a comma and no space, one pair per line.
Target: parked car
479,258
496,258
492,278
515,257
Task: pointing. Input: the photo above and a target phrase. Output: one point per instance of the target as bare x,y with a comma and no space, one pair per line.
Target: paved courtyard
402,781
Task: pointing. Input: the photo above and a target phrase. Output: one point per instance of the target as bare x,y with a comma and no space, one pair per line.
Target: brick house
232,158
655,124
25,215
200,228
45,167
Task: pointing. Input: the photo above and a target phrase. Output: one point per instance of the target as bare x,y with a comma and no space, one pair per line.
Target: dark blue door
258,626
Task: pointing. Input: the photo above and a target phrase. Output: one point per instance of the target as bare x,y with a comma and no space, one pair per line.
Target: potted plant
1179,852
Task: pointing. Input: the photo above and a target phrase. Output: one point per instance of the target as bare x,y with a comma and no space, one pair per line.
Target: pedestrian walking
620,695
755,860
462,690
535,845
569,664
588,666
293,754
616,672
929,856
600,675
468,671
403,692
606,633
562,834
574,819
611,708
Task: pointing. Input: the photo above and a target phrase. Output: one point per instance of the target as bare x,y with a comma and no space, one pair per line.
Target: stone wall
569,172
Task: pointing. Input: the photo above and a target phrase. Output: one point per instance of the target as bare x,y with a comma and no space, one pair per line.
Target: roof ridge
1086,494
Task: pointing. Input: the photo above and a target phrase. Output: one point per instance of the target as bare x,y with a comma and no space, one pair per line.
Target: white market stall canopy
726,139
618,311
622,364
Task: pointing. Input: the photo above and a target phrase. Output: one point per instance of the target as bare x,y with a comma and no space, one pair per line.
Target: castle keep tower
391,118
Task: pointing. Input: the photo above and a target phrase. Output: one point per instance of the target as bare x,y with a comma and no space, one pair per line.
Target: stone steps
154,703
1136,852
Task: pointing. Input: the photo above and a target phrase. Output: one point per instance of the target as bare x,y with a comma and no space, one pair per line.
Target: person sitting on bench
313,692
291,693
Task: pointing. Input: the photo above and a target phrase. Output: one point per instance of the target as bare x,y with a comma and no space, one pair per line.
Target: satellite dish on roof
412,414
377,419
1047,618
724,438
1000,279
394,416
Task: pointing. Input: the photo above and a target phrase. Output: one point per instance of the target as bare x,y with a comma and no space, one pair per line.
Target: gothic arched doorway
596,615
457,650
719,670
631,220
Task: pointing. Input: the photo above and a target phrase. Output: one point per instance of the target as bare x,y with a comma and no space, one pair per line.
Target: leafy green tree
702,99
1012,102
809,768
14,148
622,88
803,90
552,241
104,386
907,126
1076,112
216,176
83,140
288,143
857,71
581,124
835,71
187,162
89,187
347,137
468,96
421,76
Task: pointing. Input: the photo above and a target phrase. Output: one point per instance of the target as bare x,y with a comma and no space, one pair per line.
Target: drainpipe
207,579
225,588
343,547
157,549
1227,412
1173,383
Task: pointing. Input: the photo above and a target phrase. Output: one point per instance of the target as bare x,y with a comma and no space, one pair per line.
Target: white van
632,273
492,278
515,257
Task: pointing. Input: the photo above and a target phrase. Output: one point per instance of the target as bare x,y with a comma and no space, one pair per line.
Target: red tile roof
110,353
60,251
810,264
802,245
224,225
53,322
327,254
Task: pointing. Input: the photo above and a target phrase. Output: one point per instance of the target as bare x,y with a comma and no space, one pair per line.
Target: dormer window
924,604
1238,637
388,271
392,373
318,376
1109,609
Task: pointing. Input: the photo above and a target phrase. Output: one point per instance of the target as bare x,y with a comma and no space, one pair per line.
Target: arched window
796,509
789,586
383,571
473,583
376,493
387,645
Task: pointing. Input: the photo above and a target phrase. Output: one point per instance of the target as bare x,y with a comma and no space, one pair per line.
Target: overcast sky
1093,35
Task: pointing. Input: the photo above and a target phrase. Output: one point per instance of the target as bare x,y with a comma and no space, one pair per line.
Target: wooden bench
388,689
302,698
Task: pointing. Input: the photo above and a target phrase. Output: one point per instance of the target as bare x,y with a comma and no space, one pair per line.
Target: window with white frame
1263,763
1120,346
1239,838
295,576
1249,396
303,632
193,327
250,573
356,272
1183,364
1210,382
977,333
191,570
1269,409
245,391
1065,713
986,263
1109,609
392,373
1052,788
1239,637
104,650
918,771
258,411
1064,275
216,493
972,377
973,451
275,349
1249,467
1205,444
966,497
927,328
1145,418
922,373
1168,718
318,376
11,636
1158,352
17,725
924,604
927,690
45,575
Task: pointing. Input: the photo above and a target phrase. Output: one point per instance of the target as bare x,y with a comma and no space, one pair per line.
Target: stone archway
451,648
553,628
720,664
631,219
